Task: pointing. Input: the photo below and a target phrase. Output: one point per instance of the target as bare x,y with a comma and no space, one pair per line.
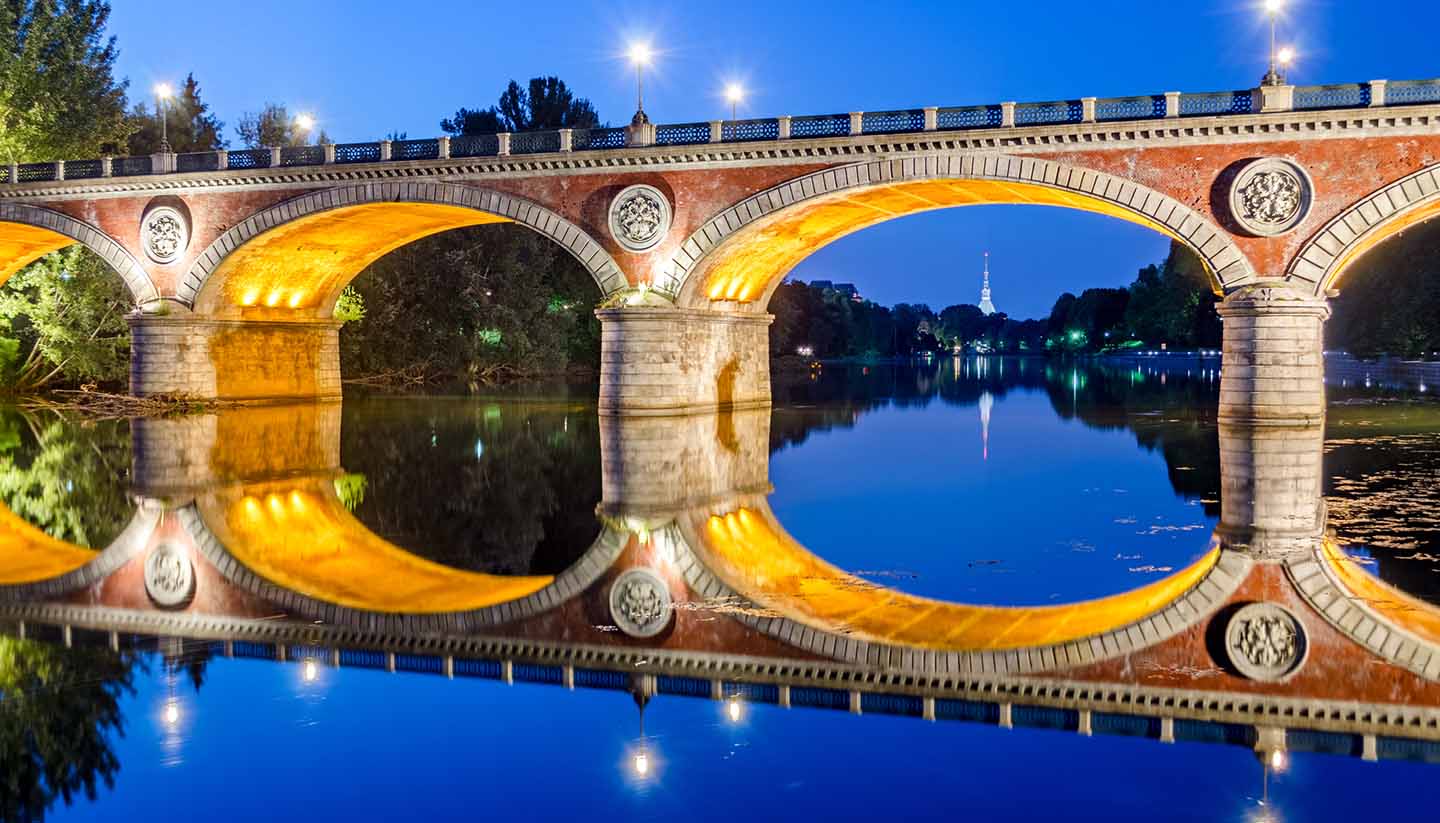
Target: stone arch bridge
236,259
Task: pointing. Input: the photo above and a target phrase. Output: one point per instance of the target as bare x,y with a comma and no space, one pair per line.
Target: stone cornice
1306,125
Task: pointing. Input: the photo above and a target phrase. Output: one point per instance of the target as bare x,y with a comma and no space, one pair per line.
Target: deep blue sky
366,68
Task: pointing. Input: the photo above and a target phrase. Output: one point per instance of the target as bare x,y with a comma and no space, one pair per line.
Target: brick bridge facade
236,259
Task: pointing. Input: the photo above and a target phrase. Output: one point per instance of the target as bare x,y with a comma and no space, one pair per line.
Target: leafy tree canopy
189,125
58,94
62,319
274,125
547,104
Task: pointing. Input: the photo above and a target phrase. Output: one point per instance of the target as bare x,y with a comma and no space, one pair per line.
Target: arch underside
28,233
758,560
744,253
29,555
1381,215
298,536
292,260
1389,603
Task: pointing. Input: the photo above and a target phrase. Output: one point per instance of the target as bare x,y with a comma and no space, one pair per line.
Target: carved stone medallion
640,217
164,233
640,603
169,576
1265,642
1270,196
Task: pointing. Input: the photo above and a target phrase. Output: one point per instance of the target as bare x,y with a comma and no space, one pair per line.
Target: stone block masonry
240,361
657,360
1272,369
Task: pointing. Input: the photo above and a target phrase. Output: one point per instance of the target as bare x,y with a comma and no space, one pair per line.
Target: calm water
1004,482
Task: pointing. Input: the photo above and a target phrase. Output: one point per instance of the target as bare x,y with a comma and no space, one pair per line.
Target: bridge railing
1108,110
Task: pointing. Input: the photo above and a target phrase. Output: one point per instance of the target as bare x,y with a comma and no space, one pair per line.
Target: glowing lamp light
1278,761
1273,7
250,298
734,93
304,122
164,91
1285,56
640,54
641,764
273,299
733,710
294,301
172,712
311,671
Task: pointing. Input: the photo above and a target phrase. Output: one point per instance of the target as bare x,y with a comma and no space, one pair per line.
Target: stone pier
660,360
244,361
1273,365
1271,482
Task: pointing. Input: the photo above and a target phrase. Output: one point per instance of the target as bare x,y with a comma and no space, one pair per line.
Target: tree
1174,303
275,126
58,94
63,319
189,125
1389,301
69,481
547,104
57,714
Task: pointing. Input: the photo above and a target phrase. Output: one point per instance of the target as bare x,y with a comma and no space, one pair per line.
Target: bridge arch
35,565
299,254
743,253
1382,214
28,233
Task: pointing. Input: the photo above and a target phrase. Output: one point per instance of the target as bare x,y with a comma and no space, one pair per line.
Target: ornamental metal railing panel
968,117
357,152
1038,114
474,145
682,134
1336,96
743,131
892,122
534,142
820,125
5,175
249,159
592,139
302,156
34,172
1409,92
415,149
130,166
197,161
84,169
1217,102
1143,107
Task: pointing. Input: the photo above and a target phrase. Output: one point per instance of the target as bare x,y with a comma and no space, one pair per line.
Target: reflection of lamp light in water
642,763
311,671
172,712
732,709
987,402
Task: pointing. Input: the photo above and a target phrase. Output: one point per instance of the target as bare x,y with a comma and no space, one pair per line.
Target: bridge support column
1273,368
1271,479
245,361
662,360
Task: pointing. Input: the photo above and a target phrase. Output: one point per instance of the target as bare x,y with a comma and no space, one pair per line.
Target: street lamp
734,93
640,55
1272,10
304,123
163,93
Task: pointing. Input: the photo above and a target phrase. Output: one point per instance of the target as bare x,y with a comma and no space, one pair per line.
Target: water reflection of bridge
694,587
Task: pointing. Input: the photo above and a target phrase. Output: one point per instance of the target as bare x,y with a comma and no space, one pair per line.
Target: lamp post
163,93
734,93
1272,10
640,55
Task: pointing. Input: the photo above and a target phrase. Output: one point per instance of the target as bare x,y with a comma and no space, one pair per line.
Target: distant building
986,307
832,289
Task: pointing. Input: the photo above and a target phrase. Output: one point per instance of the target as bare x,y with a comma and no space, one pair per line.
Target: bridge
236,259
1272,638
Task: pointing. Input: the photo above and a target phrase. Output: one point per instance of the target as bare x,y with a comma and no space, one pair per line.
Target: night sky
368,68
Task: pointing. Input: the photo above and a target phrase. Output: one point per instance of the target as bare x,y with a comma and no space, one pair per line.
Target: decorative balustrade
1035,114
892,122
415,149
968,117
1144,107
250,159
1410,92
357,152
899,121
682,134
1217,102
820,125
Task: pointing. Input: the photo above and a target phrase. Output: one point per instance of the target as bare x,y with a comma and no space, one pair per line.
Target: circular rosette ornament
640,217
169,576
640,603
1270,196
164,234
1265,642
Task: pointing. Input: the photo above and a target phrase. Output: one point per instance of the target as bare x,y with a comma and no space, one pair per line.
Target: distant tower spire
986,307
